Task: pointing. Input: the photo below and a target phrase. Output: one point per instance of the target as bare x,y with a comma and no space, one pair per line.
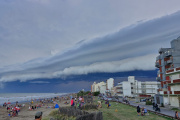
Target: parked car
143,100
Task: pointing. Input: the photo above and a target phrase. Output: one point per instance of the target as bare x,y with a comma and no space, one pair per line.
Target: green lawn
125,112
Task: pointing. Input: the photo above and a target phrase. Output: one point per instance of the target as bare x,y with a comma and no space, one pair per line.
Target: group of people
31,107
142,111
77,102
13,111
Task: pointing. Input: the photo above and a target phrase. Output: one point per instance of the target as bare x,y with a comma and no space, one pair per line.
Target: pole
168,95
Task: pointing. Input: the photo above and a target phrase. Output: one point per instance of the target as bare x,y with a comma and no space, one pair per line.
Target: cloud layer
31,29
131,48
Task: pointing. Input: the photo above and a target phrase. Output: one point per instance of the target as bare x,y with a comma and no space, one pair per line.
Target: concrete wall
110,83
175,76
131,79
174,101
165,100
175,88
137,87
175,44
126,89
103,89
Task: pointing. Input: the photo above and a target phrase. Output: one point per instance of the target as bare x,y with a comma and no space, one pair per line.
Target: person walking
176,115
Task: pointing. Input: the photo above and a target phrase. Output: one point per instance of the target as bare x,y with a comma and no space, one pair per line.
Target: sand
26,114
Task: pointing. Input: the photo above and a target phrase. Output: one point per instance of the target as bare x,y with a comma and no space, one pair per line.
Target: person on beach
72,102
38,115
108,104
138,110
142,112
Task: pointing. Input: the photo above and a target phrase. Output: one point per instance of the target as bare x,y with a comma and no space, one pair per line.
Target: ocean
25,97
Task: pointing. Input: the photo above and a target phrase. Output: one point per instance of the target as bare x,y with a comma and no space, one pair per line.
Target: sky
66,43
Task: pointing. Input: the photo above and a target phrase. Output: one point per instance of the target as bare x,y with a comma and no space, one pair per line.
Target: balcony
157,64
119,88
120,92
168,53
161,50
158,79
158,57
169,61
159,72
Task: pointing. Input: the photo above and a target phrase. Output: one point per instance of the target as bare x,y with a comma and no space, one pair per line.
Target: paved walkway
164,110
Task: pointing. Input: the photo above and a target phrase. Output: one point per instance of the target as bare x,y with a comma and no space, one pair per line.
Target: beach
25,114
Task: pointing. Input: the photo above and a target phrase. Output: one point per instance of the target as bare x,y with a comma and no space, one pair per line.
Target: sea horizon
25,97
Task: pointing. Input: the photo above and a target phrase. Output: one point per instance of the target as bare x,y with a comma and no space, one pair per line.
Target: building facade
109,83
135,88
172,95
168,59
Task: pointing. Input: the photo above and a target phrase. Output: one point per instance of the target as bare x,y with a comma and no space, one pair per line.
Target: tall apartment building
167,59
110,83
172,95
135,88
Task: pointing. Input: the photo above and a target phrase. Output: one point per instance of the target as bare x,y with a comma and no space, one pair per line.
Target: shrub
148,103
82,93
162,104
96,93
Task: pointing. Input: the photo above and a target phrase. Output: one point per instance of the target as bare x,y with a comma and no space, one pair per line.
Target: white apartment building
110,83
135,88
171,95
101,87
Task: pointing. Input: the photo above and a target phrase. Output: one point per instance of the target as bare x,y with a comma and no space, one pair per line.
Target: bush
82,93
148,103
96,93
162,104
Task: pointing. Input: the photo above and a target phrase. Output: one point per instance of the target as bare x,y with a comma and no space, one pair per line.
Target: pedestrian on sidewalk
176,115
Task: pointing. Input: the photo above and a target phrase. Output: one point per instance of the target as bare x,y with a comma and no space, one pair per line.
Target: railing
168,53
157,64
158,57
158,79
169,61
161,50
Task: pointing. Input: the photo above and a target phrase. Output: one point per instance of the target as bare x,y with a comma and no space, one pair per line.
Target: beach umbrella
9,103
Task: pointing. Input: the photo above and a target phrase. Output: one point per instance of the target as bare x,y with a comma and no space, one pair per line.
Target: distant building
110,83
94,87
135,88
98,87
102,87
168,59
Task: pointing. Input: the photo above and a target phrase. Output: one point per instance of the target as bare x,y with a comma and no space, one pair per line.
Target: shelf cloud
131,48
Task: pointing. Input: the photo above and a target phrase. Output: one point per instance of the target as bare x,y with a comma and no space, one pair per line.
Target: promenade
164,110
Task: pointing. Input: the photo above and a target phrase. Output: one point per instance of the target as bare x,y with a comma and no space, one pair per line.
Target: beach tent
56,106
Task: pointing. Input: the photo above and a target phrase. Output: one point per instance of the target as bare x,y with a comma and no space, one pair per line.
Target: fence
80,114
